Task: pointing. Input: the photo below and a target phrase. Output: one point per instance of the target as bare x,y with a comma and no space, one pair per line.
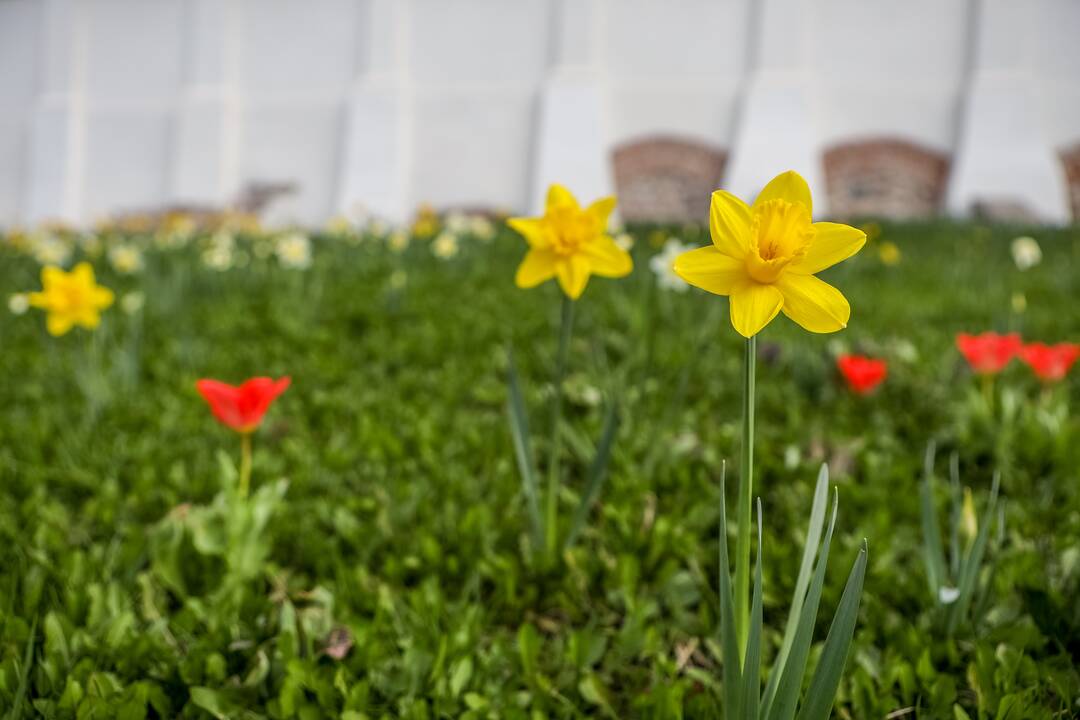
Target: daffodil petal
814,304
38,299
559,197
729,224
608,259
103,297
600,211
534,230
573,274
51,275
89,319
753,306
83,273
537,267
58,324
711,270
832,243
788,186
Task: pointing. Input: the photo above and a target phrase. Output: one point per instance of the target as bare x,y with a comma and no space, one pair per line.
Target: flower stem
551,525
746,489
245,464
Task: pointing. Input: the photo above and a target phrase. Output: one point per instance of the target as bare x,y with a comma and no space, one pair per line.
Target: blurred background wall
909,108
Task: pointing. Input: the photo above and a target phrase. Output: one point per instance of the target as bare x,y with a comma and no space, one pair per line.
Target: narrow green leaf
822,692
16,710
933,552
969,570
957,513
751,685
728,641
787,692
597,473
519,431
810,548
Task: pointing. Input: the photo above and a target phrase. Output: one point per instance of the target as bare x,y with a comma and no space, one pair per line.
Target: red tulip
1050,363
863,374
989,353
242,408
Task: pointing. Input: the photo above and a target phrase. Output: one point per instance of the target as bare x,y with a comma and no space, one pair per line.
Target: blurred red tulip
863,374
989,353
1050,363
242,408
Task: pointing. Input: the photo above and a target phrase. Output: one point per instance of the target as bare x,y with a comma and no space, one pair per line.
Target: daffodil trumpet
764,258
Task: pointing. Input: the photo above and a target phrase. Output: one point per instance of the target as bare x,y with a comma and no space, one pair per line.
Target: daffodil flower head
764,256
570,243
71,298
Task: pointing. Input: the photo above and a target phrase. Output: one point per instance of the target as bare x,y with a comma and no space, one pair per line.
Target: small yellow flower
71,298
969,521
1019,302
764,257
570,244
889,253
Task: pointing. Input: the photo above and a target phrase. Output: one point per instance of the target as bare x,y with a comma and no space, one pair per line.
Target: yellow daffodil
889,253
764,257
570,244
71,298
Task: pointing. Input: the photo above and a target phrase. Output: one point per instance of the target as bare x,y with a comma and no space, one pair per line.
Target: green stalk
746,489
245,463
551,525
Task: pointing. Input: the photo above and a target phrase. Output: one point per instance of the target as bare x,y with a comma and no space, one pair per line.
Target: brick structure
885,177
666,179
1070,158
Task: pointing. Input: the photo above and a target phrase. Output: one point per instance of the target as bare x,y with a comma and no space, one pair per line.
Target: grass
381,569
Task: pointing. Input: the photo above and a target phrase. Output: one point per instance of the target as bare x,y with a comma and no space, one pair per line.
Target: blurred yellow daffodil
570,244
764,257
889,253
71,298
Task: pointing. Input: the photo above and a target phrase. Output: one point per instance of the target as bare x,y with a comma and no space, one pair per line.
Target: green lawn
383,569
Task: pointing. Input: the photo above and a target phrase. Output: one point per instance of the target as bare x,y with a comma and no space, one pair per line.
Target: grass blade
933,551
822,692
16,710
969,570
787,691
751,680
810,548
519,431
957,513
597,473
728,643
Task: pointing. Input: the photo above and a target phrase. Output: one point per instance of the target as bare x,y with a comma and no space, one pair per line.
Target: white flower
50,249
445,246
1026,252
482,228
457,223
294,251
125,259
625,241
948,595
663,262
132,302
219,254
18,303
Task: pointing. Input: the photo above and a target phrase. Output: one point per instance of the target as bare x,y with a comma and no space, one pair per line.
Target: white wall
114,105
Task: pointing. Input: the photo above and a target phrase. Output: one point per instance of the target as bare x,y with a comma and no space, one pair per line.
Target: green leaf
519,432
728,641
822,693
933,553
751,685
24,674
597,473
787,691
213,702
460,676
810,548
